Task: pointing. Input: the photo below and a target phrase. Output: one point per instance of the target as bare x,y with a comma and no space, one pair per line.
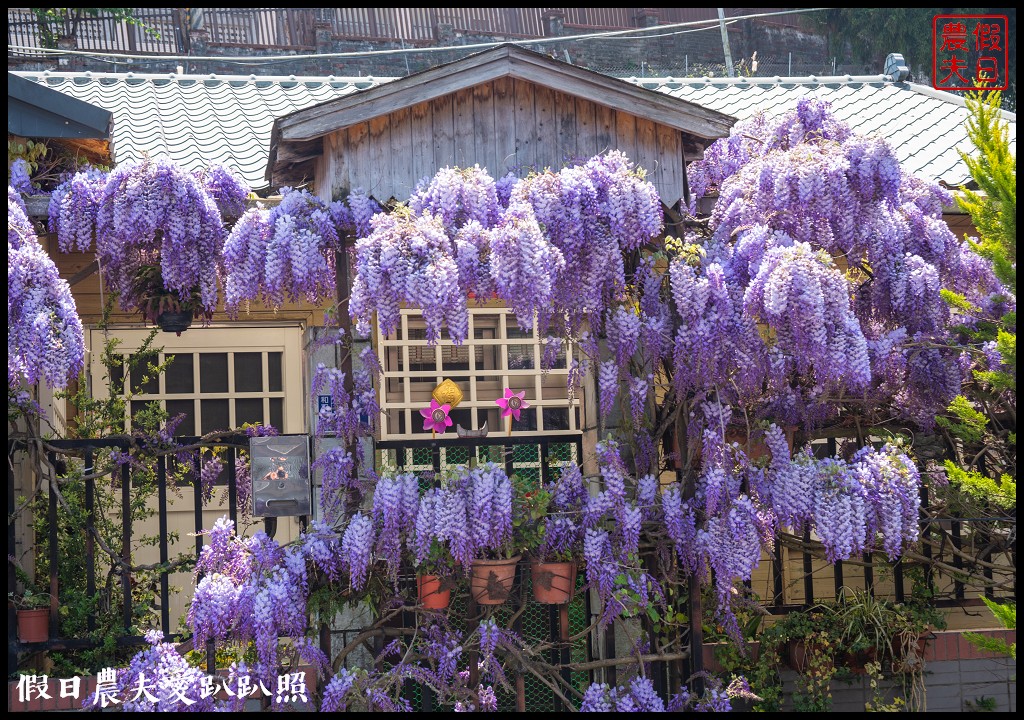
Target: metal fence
161,32
294,28
275,28
795,578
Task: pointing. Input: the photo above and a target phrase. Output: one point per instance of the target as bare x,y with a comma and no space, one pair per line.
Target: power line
265,59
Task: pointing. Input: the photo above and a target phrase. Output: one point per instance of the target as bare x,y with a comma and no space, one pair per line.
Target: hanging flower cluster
555,251
74,205
253,589
874,499
640,696
45,340
288,252
839,258
158,230
611,523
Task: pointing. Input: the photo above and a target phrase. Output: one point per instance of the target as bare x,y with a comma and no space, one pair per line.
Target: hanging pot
431,596
491,580
175,322
34,625
553,582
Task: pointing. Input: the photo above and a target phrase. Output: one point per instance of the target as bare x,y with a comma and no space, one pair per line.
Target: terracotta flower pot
799,653
431,596
857,660
491,580
34,625
553,582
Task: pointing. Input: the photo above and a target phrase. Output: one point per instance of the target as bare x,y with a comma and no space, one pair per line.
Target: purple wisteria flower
159,231
45,339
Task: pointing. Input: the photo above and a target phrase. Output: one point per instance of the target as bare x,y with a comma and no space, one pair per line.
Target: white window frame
477,404
218,338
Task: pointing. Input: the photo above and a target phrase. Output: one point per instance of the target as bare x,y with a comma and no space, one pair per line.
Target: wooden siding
89,297
502,125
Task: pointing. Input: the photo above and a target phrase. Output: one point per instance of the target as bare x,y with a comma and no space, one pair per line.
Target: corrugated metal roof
196,120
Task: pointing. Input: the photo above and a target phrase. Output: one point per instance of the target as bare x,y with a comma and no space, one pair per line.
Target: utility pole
725,43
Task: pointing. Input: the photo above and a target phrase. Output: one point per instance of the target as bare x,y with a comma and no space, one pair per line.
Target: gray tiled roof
925,126
197,120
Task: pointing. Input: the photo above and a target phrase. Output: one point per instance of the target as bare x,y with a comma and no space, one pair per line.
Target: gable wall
506,124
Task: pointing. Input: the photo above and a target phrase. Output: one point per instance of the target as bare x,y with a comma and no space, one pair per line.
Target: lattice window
220,377
496,355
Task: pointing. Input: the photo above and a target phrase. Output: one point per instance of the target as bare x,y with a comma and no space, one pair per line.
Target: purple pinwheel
435,418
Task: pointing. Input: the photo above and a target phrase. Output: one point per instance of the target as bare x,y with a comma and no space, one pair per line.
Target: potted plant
799,636
559,544
163,308
880,630
488,494
159,234
440,518
33,615
805,641
435,577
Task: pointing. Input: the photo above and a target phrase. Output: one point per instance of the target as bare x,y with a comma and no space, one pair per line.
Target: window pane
420,390
249,373
213,372
556,418
395,421
274,383
179,374
140,372
512,329
557,359
527,421
393,359
422,358
487,357
496,424
459,416
116,372
137,407
455,357
188,425
488,388
249,410
215,415
553,387
277,413
520,357
485,326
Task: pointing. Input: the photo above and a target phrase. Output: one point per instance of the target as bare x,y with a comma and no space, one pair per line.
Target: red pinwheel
435,417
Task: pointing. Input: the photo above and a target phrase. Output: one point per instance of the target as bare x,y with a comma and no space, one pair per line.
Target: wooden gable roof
494,82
